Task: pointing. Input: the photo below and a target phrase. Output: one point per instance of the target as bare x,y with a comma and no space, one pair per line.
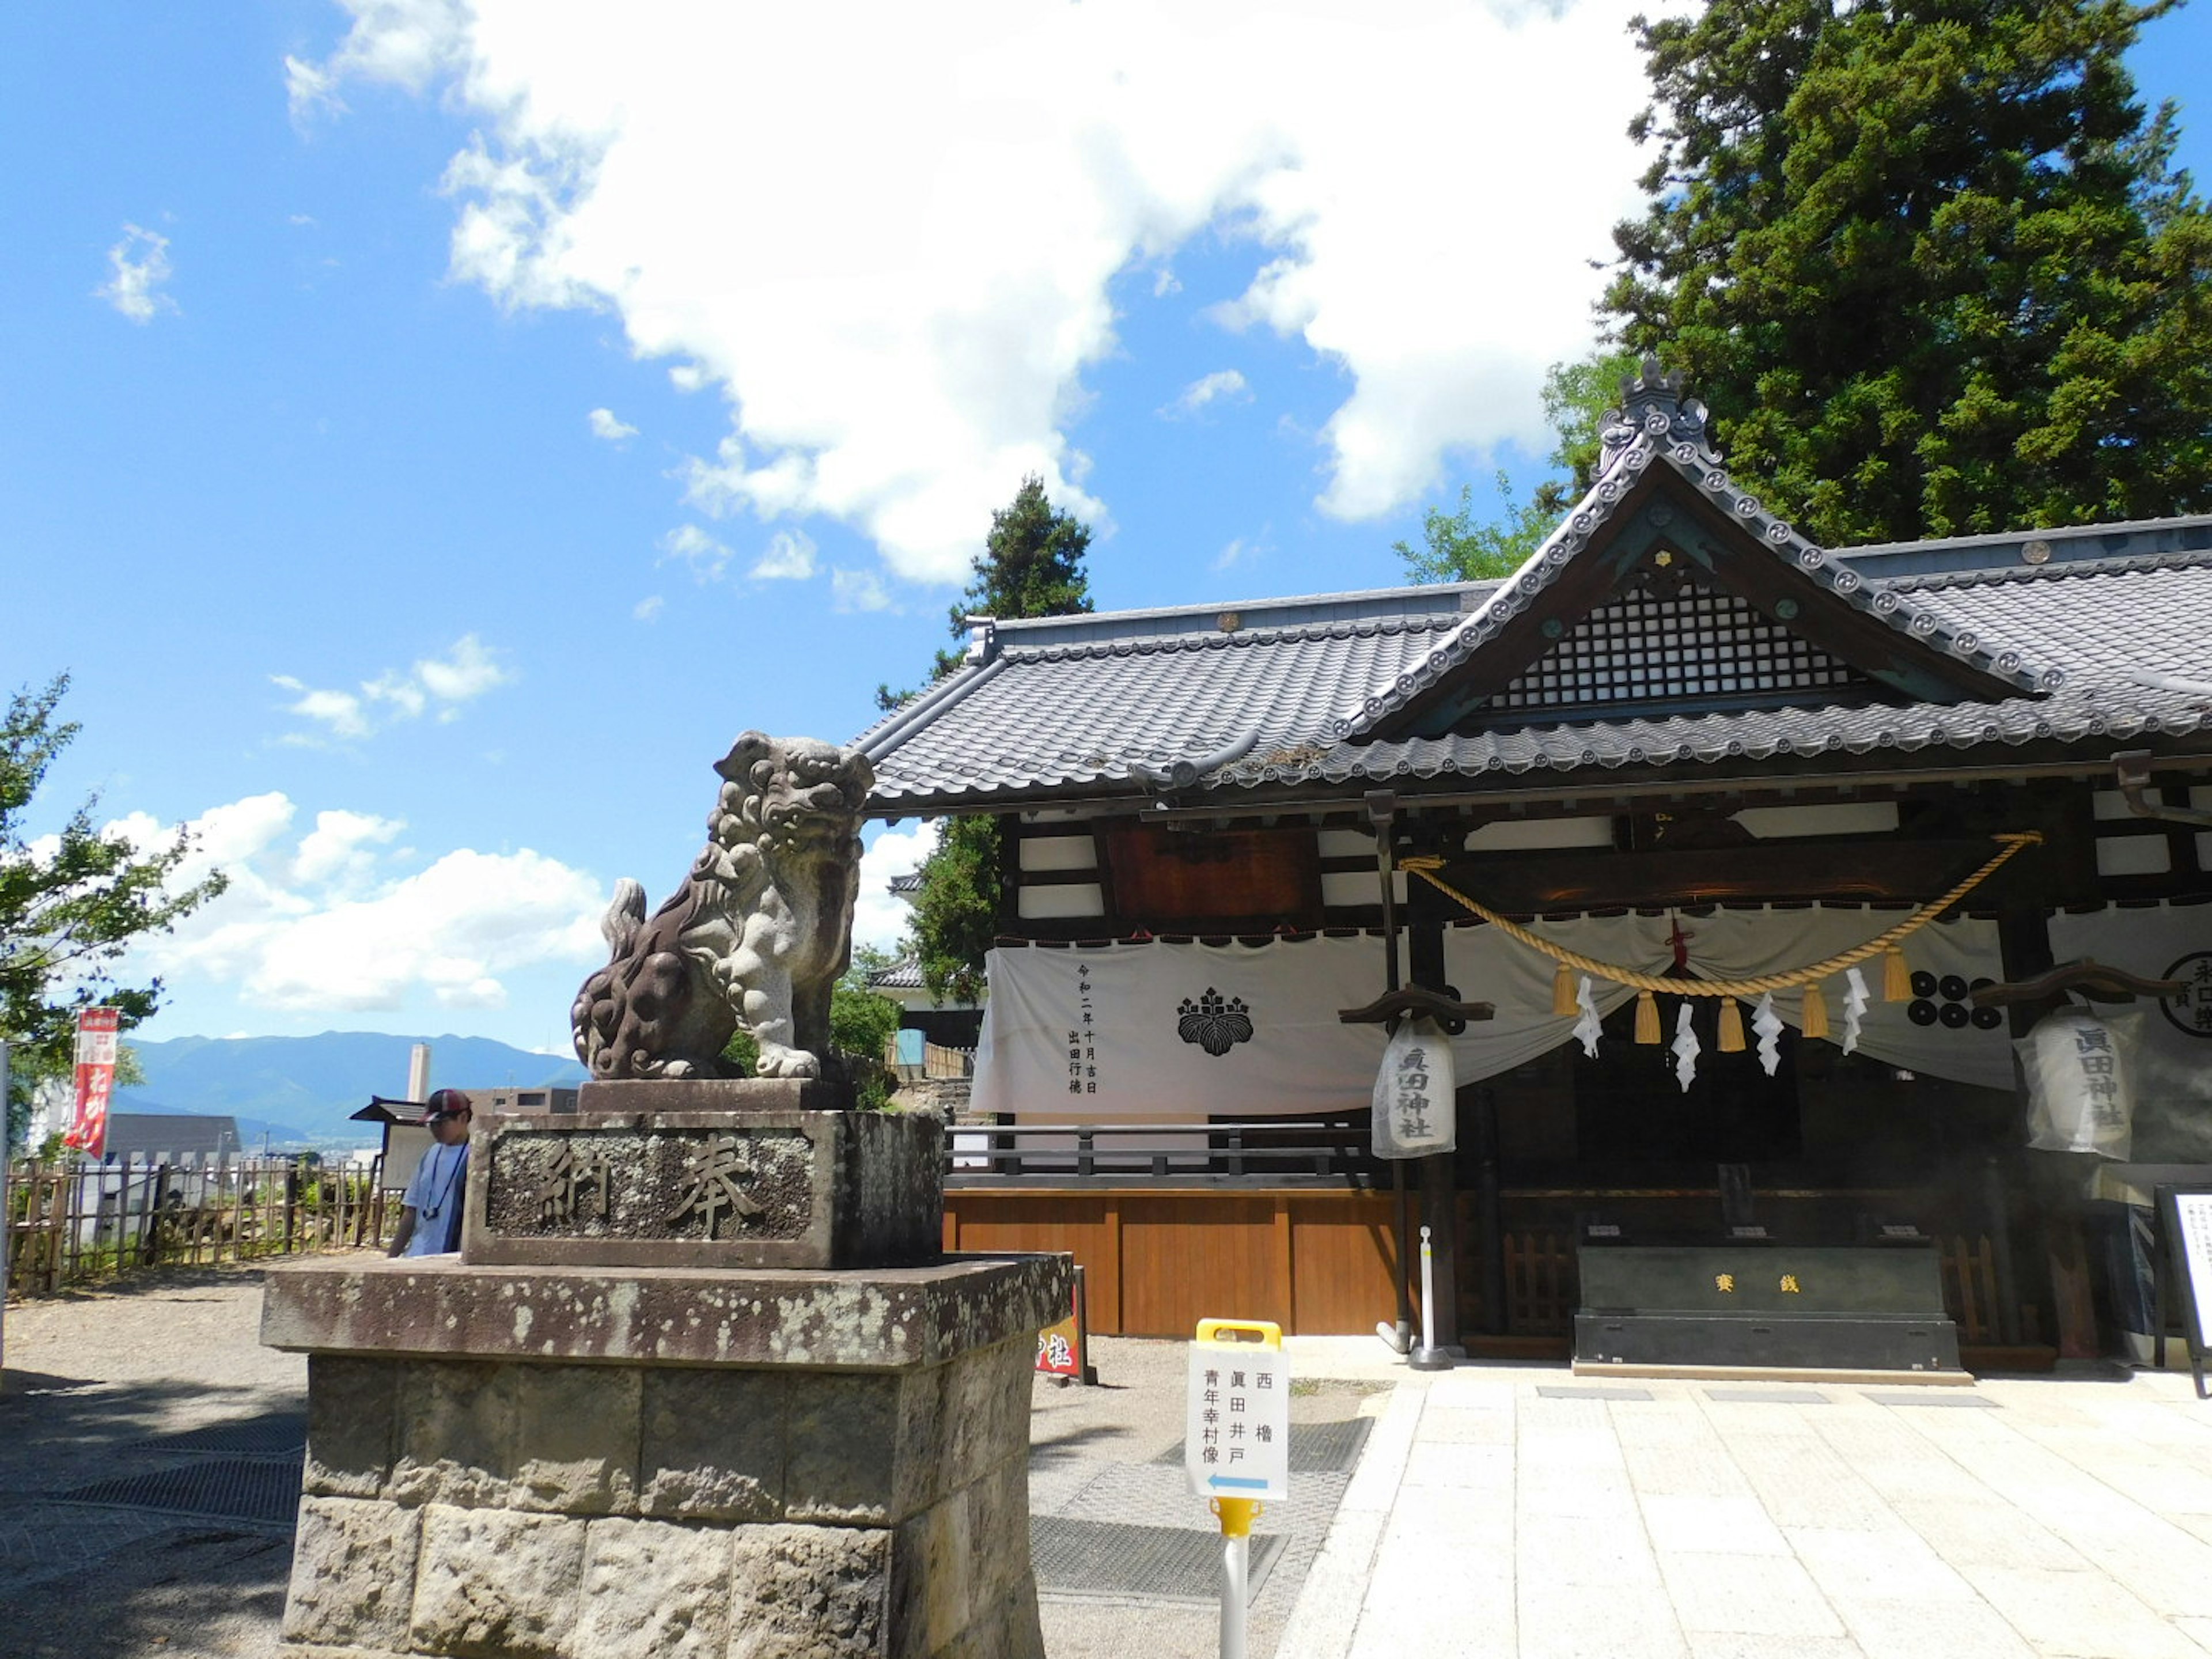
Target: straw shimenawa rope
1426,866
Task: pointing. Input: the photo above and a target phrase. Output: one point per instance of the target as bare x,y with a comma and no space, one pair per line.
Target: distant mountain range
304,1090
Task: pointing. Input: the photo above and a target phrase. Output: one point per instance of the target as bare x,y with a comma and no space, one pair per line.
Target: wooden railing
72,1222
1255,1153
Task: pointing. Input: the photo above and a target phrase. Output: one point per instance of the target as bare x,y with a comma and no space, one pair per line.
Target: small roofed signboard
1236,1440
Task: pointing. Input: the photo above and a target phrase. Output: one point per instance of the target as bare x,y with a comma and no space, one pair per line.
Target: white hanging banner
1413,1110
1180,1033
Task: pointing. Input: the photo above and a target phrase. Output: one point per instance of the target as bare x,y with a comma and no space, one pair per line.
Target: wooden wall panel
1317,1262
1211,1256
1342,1246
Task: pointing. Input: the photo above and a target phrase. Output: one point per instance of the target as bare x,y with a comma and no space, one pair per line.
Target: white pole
1236,1568
418,1072
1428,1294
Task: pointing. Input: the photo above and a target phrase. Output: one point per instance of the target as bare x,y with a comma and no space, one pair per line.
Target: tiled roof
1656,430
2106,629
899,976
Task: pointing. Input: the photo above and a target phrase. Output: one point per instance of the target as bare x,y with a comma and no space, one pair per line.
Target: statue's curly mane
755,936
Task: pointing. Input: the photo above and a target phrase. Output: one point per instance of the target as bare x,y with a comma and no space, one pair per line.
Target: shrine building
1681,745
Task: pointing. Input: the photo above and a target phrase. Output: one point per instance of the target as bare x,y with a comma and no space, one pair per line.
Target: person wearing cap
430,1210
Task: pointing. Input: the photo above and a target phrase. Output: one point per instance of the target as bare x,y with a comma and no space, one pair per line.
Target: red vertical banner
96,1030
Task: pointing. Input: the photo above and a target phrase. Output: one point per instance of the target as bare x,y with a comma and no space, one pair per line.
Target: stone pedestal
598,1463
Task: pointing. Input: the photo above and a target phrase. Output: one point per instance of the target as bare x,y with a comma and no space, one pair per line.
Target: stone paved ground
1522,1511
93,1379
1514,1511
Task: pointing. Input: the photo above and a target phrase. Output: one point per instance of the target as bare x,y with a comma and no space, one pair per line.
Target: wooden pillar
2024,950
1489,1212
1438,1177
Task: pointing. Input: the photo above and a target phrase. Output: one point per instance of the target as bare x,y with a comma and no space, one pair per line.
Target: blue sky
431,429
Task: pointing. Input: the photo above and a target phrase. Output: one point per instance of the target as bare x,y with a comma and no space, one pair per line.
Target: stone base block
471,1492
757,1187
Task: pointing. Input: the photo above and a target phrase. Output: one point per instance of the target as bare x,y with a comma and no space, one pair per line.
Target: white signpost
1237,1444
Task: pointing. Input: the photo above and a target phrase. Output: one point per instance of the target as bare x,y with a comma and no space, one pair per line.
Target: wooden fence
72,1222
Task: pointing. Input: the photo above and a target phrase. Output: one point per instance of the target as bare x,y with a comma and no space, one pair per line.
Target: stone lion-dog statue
757,936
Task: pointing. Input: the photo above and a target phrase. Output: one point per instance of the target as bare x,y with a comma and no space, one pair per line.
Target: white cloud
443,683
790,557
140,263
341,711
1222,383
648,608
688,377
1244,550
878,918
858,590
605,425
325,925
693,546
341,847
465,673
402,42
1426,183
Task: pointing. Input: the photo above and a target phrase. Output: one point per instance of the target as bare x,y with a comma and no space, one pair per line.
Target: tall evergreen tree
1928,261
1031,565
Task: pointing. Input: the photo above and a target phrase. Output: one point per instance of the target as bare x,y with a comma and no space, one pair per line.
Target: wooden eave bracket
2088,976
1418,1001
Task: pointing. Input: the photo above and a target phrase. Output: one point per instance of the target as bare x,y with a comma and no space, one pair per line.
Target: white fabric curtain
1182,1032
1935,1034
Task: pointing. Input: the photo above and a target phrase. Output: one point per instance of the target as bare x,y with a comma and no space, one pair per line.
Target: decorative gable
1681,641
1668,588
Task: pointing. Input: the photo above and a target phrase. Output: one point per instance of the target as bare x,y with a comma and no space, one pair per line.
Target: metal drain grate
1316,1447
1569,1391
265,1490
1156,1564
1769,1396
264,1437
1933,1397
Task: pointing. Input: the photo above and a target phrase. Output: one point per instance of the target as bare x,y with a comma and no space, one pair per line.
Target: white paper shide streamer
1587,1028
1685,1048
1855,1007
1768,1025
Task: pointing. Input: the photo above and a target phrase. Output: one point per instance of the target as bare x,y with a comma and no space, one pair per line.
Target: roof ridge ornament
1651,404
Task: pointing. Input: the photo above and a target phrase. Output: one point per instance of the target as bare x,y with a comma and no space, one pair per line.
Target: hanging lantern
2081,1082
1413,1107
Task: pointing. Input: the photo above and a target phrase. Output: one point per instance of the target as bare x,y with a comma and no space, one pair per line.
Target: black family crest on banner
1215,1022
2191,1011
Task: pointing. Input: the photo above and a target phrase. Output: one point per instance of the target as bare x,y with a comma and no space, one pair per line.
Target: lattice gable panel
1690,644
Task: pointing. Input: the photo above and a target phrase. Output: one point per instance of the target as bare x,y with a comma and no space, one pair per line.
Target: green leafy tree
1460,547
861,1022
1031,565
1928,262
71,902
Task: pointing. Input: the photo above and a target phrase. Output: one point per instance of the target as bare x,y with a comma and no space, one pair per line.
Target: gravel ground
93,1376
